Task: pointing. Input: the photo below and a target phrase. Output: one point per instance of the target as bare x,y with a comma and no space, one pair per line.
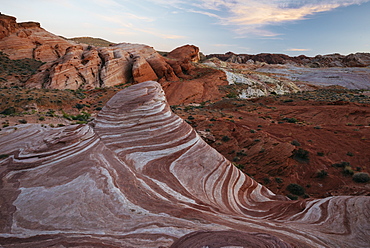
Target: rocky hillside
80,66
140,176
330,60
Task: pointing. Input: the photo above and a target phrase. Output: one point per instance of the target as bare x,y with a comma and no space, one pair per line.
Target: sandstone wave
139,176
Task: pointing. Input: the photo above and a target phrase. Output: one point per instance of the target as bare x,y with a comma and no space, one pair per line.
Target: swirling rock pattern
139,176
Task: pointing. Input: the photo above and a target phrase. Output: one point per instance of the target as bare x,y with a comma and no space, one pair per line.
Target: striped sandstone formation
139,176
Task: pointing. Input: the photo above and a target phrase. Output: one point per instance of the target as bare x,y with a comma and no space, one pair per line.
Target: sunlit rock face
139,176
69,65
29,40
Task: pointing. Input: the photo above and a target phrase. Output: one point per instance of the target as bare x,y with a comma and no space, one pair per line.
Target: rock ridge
140,176
330,60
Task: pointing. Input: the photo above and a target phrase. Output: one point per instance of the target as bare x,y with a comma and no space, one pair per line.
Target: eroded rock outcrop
249,83
73,66
329,60
29,40
139,176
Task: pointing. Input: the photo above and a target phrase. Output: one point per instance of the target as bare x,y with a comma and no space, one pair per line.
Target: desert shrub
79,106
350,154
8,111
239,166
348,171
322,174
361,177
301,155
241,153
225,138
278,180
341,164
42,118
190,117
232,95
295,189
266,180
50,113
22,121
291,120
292,197
321,154
295,143
236,159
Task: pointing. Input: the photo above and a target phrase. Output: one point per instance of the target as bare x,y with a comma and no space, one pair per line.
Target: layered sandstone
139,176
29,40
80,66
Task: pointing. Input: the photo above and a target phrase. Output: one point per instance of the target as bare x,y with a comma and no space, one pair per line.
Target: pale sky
291,27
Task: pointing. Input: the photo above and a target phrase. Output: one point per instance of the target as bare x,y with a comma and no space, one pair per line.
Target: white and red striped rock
139,176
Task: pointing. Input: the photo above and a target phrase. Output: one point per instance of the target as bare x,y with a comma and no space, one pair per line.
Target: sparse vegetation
301,155
361,177
295,189
295,143
291,120
322,174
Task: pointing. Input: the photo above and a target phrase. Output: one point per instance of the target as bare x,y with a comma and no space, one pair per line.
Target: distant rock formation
252,84
330,60
140,176
79,66
29,40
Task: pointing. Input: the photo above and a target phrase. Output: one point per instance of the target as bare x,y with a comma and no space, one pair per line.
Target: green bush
348,171
292,197
8,111
225,138
278,180
239,166
295,189
322,174
291,120
295,143
341,164
301,155
361,177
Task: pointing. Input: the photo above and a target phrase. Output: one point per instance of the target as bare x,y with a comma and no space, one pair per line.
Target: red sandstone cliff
73,66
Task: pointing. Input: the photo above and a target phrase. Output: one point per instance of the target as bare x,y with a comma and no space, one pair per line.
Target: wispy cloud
127,26
297,50
252,16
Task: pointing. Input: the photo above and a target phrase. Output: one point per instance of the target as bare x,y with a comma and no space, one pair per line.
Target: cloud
297,50
252,16
132,28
